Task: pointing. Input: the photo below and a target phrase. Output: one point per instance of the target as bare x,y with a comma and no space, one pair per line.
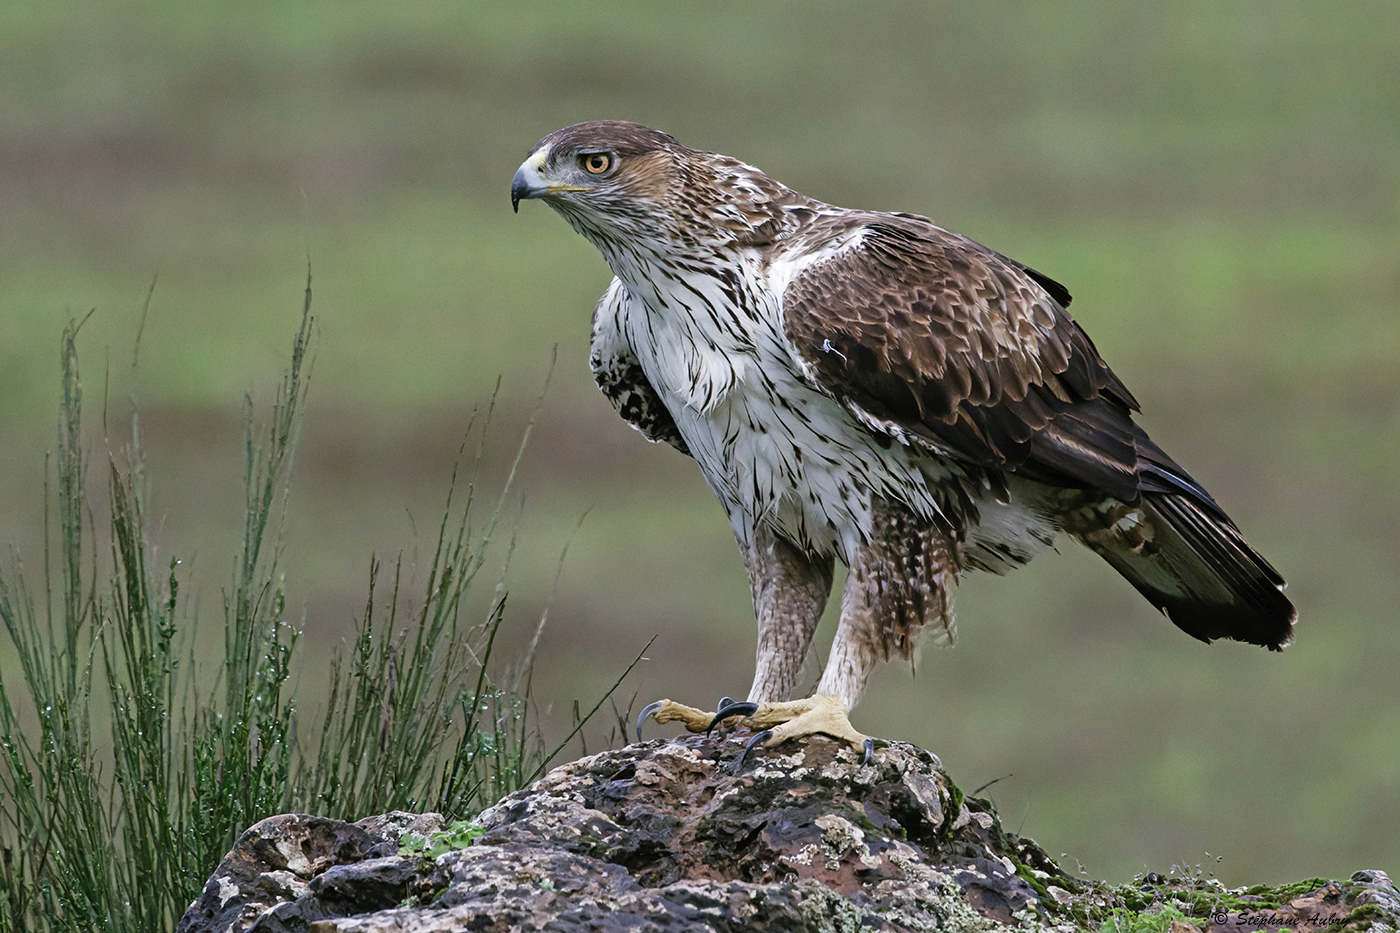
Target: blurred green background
1217,184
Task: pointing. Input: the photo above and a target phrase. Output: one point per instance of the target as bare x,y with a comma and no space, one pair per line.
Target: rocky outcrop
660,835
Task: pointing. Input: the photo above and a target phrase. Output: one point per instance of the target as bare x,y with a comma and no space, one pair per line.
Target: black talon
731,709
869,751
645,715
737,764
723,702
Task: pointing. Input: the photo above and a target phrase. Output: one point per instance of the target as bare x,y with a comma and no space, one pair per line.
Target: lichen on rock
661,835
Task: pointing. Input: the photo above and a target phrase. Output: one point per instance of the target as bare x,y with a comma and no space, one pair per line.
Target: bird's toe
664,711
796,718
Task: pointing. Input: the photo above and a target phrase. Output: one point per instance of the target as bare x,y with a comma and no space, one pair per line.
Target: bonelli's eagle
872,388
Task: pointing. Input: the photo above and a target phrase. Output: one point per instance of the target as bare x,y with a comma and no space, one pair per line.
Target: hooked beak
526,184
530,181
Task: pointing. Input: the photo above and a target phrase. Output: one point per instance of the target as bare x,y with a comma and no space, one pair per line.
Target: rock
660,835
287,870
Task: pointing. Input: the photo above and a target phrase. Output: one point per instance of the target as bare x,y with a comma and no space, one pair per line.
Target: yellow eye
597,163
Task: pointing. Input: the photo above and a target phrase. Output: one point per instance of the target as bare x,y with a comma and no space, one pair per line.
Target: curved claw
737,764
731,709
646,714
723,702
869,752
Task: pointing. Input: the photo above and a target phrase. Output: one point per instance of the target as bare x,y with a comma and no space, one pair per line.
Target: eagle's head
621,183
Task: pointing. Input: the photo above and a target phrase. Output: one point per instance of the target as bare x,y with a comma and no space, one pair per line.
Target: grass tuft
129,764
1155,921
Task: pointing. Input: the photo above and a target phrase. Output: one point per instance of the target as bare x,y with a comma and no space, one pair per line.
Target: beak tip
520,189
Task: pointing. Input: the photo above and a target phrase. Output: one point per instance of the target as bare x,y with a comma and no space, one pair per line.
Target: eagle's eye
597,162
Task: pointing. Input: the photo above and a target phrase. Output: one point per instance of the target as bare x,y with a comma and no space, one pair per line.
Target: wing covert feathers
967,352
946,344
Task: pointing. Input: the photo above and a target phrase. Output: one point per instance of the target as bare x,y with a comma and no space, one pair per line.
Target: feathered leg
900,583
854,654
790,587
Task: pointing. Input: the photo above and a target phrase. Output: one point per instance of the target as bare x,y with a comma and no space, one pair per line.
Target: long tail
1191,562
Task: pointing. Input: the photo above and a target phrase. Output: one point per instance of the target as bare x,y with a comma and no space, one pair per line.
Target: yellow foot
664,711
775,723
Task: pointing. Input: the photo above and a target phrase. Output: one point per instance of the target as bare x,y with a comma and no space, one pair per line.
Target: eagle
871,388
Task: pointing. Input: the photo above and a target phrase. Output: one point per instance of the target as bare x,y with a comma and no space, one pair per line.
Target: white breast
772,448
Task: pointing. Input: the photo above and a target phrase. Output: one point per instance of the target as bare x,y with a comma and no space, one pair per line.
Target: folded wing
950,346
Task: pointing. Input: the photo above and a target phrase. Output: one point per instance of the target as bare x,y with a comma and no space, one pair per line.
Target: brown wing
954,346
974,355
